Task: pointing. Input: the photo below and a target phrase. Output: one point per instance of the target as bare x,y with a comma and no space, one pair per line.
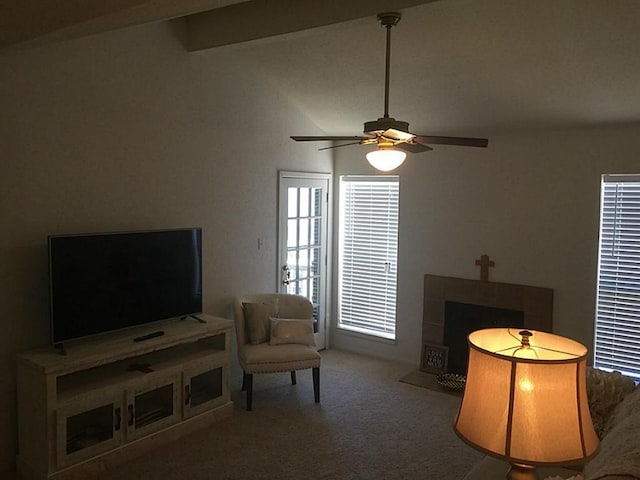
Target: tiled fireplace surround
536,303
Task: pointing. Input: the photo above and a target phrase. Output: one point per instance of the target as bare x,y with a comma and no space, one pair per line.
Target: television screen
111,281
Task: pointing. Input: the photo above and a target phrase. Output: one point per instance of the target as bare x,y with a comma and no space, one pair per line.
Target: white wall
530,201
128,131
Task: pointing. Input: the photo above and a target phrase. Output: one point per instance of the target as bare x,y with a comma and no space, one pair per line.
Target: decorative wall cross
484,264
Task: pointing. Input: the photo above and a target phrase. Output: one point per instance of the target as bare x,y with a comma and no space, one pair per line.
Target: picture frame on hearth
434,358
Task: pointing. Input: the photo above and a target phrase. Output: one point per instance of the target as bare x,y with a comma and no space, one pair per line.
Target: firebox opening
460,319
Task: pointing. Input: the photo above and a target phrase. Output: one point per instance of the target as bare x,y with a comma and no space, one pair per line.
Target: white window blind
368,233
617,337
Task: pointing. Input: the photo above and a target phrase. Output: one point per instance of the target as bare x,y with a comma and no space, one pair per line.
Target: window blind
368,233
617,336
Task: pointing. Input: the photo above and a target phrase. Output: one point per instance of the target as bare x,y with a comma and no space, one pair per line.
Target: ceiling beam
258,19
38,21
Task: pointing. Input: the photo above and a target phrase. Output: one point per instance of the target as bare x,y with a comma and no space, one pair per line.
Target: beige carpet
369,425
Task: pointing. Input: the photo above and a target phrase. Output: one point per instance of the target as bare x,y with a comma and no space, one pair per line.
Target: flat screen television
111,281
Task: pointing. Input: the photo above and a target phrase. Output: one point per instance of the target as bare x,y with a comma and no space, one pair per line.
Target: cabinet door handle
131,415
187,395
118,419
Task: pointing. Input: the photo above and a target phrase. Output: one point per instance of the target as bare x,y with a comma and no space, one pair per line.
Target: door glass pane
315,319
292,201
303,264
315,290
304,232
316,206
153,405
292,233
304,202
206,386
315,231
292,262
89,428
314,262
303,288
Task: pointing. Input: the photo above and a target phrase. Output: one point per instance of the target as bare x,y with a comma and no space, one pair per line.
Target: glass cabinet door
89,426
153,406
205,387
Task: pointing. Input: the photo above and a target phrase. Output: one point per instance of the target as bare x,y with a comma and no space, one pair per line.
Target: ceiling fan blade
327,138
338,146
413,147
460,141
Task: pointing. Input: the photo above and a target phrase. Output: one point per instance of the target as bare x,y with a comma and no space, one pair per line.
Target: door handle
187,395
286,274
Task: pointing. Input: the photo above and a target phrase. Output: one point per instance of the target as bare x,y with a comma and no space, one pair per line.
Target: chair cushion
265,358
257,321
291,330
292,306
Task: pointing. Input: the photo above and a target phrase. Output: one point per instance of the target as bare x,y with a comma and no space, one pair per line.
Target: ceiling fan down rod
388,20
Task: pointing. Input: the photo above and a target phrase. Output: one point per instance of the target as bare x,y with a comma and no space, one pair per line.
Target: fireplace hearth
454,307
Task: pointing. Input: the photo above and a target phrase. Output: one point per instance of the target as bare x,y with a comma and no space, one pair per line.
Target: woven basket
452,381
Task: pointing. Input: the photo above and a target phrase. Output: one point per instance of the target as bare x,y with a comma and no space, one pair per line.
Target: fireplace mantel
536,303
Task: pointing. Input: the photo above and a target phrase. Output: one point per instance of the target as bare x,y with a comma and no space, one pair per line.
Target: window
368,251
617,337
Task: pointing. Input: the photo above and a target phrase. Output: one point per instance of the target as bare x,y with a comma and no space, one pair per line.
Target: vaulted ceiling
458,67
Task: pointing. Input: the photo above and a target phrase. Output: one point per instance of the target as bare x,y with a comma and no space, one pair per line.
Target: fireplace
460,319
454,307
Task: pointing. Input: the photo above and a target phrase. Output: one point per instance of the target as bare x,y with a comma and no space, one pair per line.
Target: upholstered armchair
274,332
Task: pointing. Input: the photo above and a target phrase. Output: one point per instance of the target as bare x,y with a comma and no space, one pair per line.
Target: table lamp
525,400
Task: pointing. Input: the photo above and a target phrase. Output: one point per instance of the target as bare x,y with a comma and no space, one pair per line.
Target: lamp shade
525,399
386,159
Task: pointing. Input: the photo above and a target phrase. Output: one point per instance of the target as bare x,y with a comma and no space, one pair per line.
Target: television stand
109,399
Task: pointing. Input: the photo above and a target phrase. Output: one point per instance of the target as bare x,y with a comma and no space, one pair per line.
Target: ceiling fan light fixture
386,159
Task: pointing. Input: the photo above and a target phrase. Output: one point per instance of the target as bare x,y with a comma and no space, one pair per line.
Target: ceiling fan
392,136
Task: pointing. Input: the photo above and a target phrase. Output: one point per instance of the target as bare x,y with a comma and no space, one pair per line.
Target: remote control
141,338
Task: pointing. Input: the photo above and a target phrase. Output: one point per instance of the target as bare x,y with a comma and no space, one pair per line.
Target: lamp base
521,472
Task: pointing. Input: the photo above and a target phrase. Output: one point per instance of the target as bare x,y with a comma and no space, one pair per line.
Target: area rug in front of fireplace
427,380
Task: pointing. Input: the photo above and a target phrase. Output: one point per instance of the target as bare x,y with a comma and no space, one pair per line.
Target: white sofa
614,402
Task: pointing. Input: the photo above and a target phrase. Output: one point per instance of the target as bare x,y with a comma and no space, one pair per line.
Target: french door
302,238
